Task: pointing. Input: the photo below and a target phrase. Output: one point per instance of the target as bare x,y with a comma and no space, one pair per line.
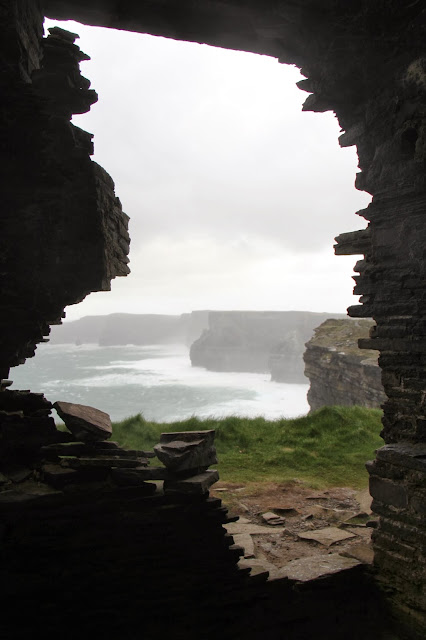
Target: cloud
221,173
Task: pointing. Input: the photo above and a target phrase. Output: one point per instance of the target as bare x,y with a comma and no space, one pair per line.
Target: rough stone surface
186,451
198,484
245,541
326,536
63,231
85,423
339,372
252,529
272,518
398,487
362,552
307,569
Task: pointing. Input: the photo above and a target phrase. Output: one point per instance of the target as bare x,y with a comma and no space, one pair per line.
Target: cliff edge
339,372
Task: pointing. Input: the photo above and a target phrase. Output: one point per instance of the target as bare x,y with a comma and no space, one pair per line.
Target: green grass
328,447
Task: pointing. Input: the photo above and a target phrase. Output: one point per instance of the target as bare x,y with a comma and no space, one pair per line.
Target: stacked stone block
398,487
391,283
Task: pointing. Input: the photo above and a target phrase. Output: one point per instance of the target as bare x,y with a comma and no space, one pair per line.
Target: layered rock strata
257,341
397,484
339,372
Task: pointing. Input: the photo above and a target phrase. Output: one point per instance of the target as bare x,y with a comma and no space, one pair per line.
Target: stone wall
397,484
91,546
63,231
339,372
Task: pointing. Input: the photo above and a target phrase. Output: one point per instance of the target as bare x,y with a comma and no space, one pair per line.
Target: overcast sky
234,194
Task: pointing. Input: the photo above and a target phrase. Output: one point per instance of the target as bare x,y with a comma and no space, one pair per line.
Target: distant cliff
339,372
256,341
127,328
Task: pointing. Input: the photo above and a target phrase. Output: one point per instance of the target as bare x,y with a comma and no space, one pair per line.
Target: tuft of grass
328,447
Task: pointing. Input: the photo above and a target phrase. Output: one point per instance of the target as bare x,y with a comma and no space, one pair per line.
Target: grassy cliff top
343,335
328,447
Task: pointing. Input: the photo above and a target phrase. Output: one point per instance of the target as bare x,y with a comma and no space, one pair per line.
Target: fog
234,194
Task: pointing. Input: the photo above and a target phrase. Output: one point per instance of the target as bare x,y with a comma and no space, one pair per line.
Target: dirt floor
281,523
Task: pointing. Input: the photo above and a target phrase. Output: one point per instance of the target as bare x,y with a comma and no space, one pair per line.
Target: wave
156,380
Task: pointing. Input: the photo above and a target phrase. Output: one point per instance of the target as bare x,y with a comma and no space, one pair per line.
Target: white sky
234,194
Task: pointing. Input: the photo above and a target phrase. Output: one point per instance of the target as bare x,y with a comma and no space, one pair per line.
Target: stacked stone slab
63,230
398,487
391,283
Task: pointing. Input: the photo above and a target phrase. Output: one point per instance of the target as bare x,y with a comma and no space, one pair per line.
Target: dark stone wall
63,230
397,484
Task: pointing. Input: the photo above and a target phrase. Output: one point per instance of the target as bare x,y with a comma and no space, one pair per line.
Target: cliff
256,341
339,372
127,328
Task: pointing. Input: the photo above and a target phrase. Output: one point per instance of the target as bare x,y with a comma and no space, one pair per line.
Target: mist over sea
156,380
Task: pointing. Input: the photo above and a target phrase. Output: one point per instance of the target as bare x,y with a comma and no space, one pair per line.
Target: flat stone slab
326,536
101,461
245,541
138,475
331,514
187,450
364,500
362,552
64,449
286,510
85,423
235,528
39,496
58,476
314,567
198,484
258,566
272,518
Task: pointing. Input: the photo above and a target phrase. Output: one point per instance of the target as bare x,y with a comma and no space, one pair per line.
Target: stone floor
281,526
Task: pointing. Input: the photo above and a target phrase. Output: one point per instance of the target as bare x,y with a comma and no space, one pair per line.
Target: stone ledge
404,454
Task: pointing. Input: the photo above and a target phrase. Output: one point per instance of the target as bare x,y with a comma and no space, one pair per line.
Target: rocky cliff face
339,372
256,341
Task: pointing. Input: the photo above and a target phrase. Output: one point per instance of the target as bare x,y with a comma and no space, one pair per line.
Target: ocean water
156,380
